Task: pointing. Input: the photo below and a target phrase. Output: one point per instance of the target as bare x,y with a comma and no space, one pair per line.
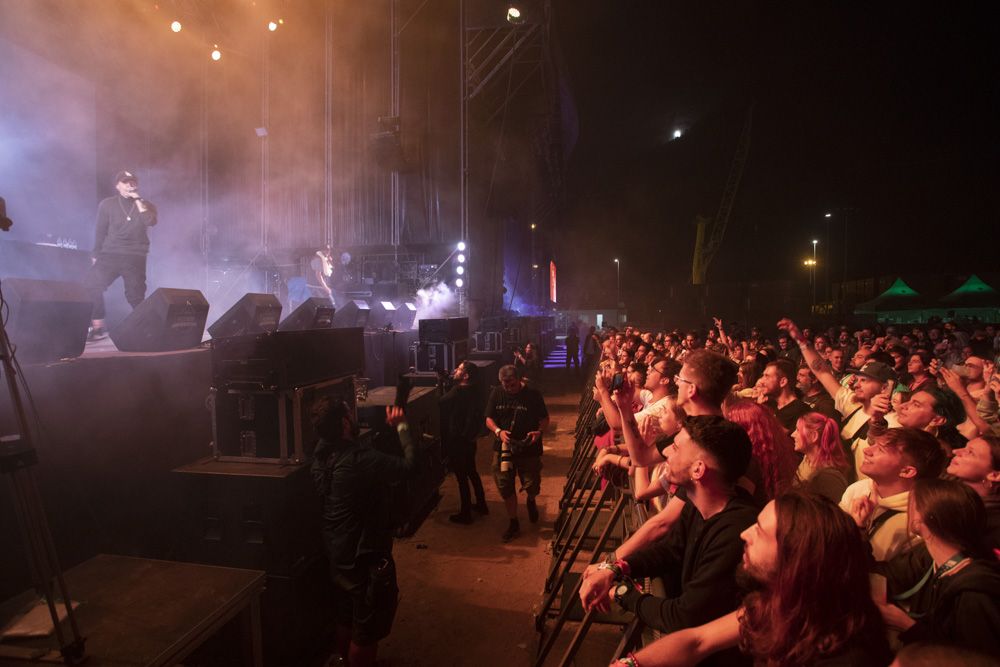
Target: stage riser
112,430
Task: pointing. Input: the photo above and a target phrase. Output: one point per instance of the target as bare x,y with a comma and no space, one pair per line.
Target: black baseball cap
125,177
876,370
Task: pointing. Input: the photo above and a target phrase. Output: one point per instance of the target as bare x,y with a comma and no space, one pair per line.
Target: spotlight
460,270
461,246
677,134
216,53
459,282
514,15
534,226
534,266
461,258
272,26
176,26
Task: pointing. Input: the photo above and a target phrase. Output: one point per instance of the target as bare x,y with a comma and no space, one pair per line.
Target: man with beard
698,558
812,606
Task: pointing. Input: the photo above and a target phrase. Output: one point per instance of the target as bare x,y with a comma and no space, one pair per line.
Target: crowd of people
817,497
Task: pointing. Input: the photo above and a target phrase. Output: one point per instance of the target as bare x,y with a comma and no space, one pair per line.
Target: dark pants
463,464
107,269
573,355
367,597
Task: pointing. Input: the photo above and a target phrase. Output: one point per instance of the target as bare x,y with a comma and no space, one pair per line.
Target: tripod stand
17,461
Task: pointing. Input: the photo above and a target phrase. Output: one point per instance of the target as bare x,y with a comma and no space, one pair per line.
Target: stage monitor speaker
383,312
48,318
169,319
314,313
406,313
354,313
253,314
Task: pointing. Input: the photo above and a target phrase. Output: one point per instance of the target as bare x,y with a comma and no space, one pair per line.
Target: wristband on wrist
497,431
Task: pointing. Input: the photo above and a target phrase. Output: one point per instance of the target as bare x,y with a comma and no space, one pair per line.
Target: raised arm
817,364
603,385
640,453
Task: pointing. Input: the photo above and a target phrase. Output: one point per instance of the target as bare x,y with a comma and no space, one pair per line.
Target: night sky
880,111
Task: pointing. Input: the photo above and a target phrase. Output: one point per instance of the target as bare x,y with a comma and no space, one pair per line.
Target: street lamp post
815,241
618,301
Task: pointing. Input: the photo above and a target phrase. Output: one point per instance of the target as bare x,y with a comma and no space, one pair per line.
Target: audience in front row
904,551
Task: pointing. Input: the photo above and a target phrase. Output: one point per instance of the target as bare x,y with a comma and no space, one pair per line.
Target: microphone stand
17,461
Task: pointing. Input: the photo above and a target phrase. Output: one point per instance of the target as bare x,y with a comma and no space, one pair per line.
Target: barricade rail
584,501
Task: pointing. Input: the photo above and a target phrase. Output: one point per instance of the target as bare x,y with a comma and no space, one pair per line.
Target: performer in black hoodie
120,247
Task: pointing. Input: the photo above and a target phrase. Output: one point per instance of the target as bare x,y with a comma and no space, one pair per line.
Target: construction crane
710,231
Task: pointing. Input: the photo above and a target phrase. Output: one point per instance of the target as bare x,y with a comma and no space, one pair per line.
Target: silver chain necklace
128,213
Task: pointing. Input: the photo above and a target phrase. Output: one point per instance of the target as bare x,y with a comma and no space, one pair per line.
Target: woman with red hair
772,468
824,466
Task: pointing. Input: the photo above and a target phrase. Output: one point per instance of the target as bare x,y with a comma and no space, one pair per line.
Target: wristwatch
621,590
497,432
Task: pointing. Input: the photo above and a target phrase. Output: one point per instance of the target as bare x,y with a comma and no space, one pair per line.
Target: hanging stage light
460,270
514,15
459,282
461,258
272,26
216,53
176,26
461,246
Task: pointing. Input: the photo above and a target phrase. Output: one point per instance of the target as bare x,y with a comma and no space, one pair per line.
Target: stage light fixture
272,26
677,134
514,15
459,282
461,246
216,53
461,258
176,26
534,226
460,270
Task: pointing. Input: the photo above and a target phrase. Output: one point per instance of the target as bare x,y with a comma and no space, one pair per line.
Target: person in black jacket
352,478
461,422
964,578
120,247
812,605
698,557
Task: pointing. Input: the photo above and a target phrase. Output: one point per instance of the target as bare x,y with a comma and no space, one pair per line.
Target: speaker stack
48,318
444,342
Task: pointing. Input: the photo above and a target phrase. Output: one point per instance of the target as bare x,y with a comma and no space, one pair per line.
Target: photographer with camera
353,480
517,416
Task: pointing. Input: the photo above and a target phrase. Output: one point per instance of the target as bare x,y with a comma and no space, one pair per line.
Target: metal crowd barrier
581,505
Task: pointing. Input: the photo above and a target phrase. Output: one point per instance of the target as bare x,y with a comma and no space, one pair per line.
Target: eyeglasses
678,379
654,368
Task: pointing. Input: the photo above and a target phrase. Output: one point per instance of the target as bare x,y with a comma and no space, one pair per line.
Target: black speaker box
444,330
169,319
48,319
314,313
353,313
253,314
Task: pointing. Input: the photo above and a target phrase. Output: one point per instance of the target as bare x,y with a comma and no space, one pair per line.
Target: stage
110,427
